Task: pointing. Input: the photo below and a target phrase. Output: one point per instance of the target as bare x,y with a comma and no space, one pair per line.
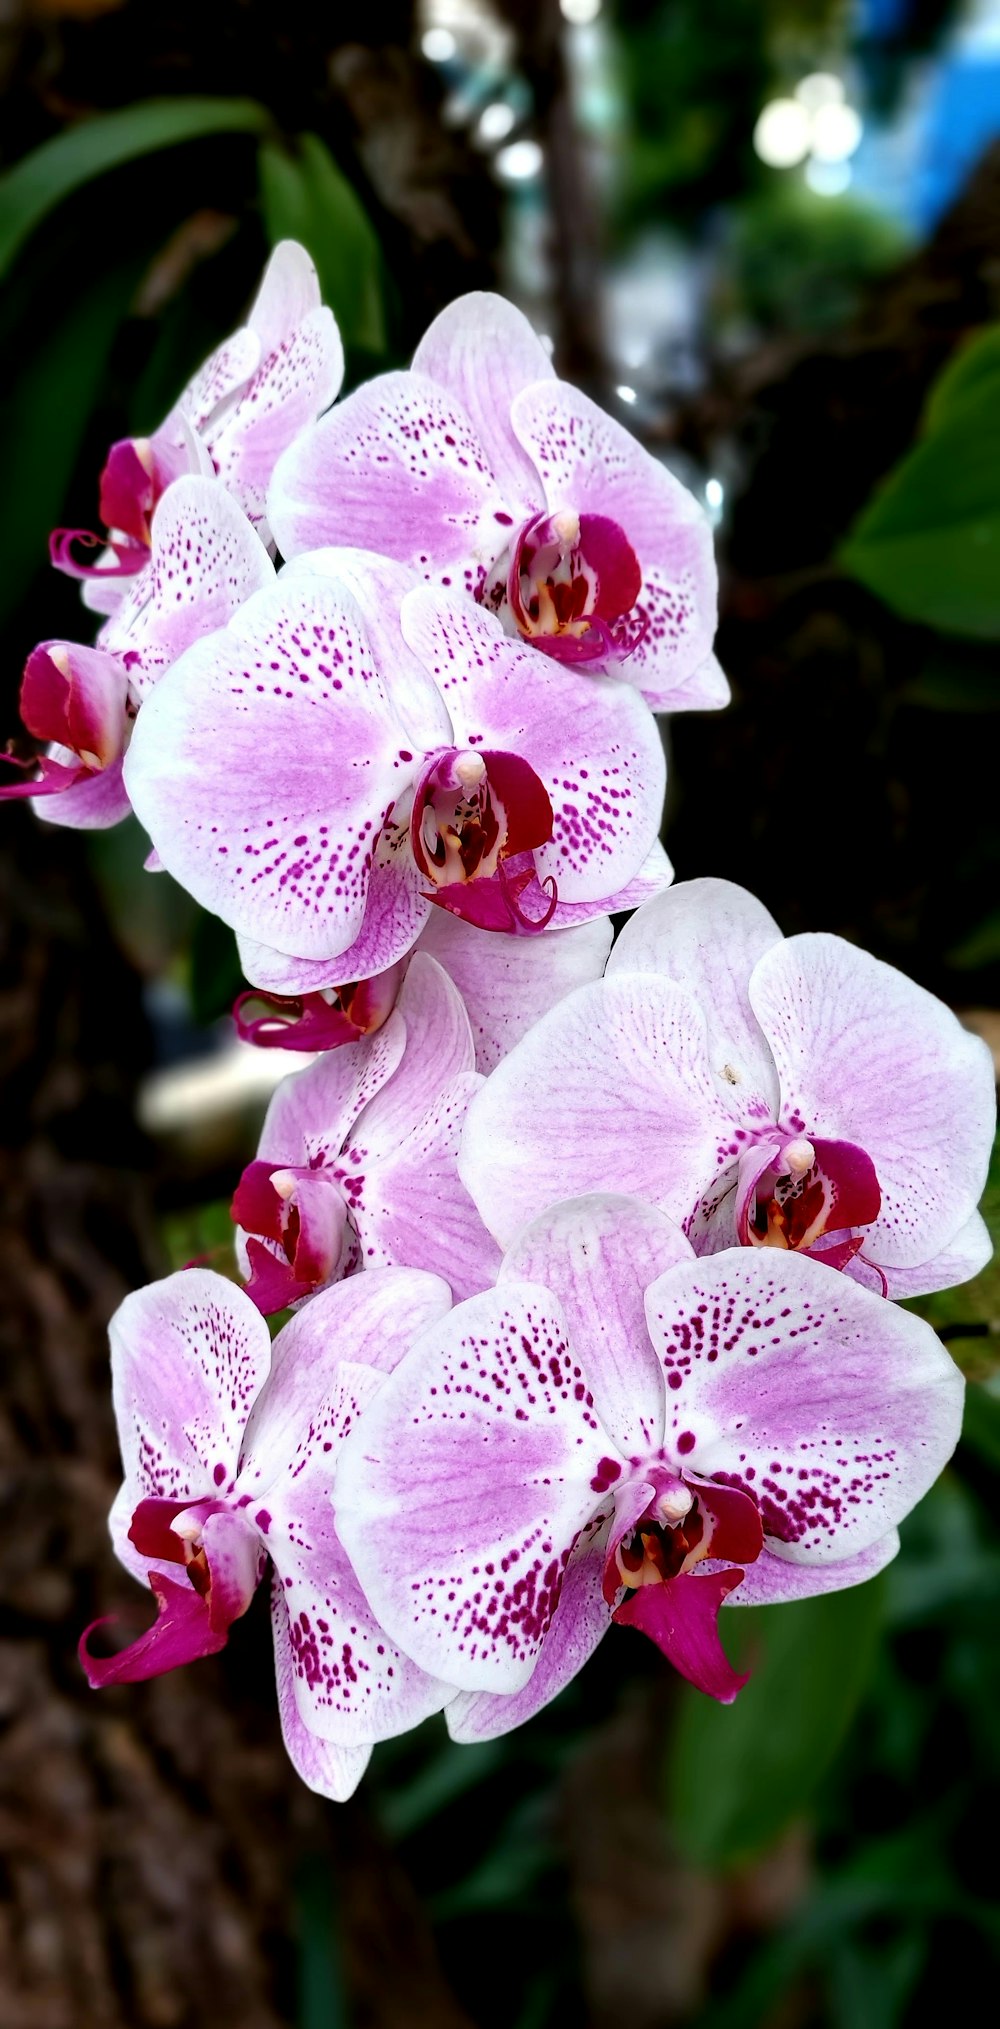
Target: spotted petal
462,1492
865,1055
835,1409
580,1621
483,352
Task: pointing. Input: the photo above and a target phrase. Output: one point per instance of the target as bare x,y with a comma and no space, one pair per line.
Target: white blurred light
546,340
828,179
836,131
495,122
782,134
625,394
820,88
518,162
438,45
580,12
714,494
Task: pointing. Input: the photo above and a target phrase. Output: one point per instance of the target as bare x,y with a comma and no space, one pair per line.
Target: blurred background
765,234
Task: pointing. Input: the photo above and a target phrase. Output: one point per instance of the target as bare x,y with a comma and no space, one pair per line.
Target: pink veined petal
599,1255
205,561
91,803
865,1055
707,936
181,1633
592,742
218,380
438,1048
396,468
508,982
483,352
312,1112
682,1617
283,853
412,1207
706,690
461,1493
965,1257
772,1580
396,912
588,462
324,1766
835,1409
379,585
298,377
580,1620
610,1091
188,1357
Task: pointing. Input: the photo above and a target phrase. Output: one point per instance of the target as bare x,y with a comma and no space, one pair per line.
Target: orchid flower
325,770
505,982
790,1093
242,409
229,1446
357,1158
485,472
621,1432
205,560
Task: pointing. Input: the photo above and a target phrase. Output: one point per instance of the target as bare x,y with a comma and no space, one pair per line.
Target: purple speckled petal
437,1050
707,936
396,912
331,1770
263,766
483,352
864,1055
378,586
588,462
963,1258
599,1255
592,742
508,982
205,561
224,373
610,1091
462,1491
311,1113
835,1409
580,1620
188,1358
772,1580
396,468
296,380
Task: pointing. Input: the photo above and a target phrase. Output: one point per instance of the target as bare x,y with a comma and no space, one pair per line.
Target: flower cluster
588,1254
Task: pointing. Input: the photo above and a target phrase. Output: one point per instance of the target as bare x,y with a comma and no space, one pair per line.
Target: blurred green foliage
798,262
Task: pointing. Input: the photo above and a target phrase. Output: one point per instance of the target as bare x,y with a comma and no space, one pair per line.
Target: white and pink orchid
243,408
357,1163
229,1447
203,562
621,1432
337,761
793,1093
486,473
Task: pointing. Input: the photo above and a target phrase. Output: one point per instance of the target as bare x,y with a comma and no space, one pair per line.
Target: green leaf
201,1233
967,372
737,1774
928,542
305,197
52,172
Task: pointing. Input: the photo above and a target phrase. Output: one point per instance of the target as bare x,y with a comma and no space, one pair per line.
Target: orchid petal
598,1255
325,1766
224,373
836,1410
396,468
281,852
414,1210
396,912
206,560
483,351
90,803
593,744
287,293
379,585
965,1256
181,1633
773,1580
589,462
508,982
865,1055
707,936
76,696
461,1493
437,1049
298,377
580,1620
312,1112
682,1617
188,1357
610,1090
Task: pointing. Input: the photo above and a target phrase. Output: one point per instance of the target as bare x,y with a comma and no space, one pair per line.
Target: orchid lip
570,583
